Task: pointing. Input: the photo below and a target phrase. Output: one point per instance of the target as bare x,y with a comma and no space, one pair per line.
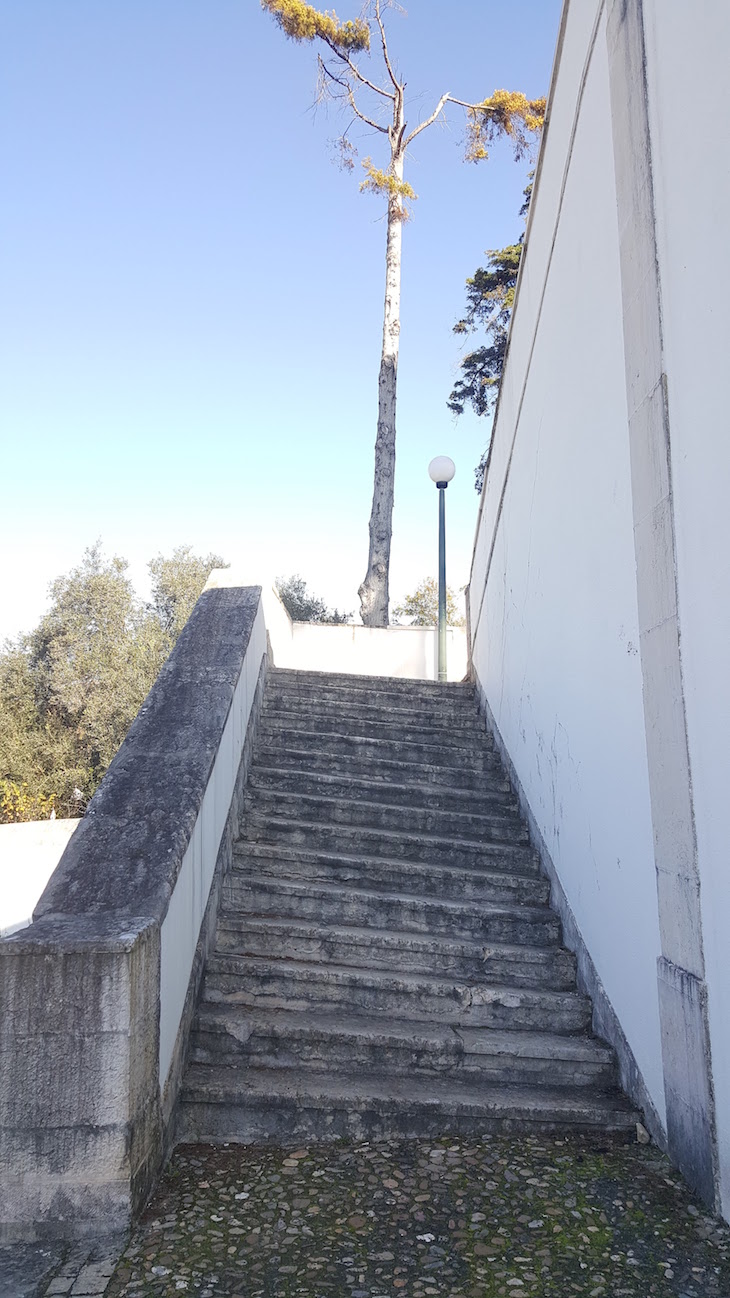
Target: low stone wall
98,992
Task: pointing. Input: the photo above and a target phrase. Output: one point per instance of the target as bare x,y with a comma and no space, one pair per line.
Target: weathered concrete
87,1092
381,966
142,818
79,1105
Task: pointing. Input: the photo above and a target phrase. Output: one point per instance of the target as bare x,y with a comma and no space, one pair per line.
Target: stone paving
448,1219
58,1270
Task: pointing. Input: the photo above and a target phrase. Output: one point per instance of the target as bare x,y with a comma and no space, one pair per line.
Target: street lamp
441,471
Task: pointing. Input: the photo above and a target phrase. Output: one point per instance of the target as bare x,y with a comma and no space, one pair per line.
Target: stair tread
358,1091
481,906
398,791
235,920
375,743
261,850
473,739
283,746
352,975
476,1040
332,801
344,680
461,706
492,847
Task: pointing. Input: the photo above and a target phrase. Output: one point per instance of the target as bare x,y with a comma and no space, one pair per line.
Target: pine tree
381,105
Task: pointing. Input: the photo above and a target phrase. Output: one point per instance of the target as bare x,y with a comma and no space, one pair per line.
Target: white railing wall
181,926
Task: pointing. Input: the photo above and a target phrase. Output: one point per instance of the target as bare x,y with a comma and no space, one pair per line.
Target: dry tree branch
429,120
345,58
349,93
386,57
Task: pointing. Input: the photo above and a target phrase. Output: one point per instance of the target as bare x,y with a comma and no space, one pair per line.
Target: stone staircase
386,960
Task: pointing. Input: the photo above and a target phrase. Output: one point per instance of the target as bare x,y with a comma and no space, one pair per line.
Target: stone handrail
98,992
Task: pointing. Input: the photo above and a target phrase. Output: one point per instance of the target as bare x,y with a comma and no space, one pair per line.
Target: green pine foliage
490,295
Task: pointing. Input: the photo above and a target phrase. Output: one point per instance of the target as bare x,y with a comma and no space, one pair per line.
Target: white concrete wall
687,56
181,925
29,853
410,651
405,651
553,589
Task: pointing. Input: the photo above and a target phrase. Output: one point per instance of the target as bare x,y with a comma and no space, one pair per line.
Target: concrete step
302,940
290,1107
353,840
386,962
322,808
255,861
418,731
400,690
227,1034
484,801
376,748
294,985
358,760
394,710
333,904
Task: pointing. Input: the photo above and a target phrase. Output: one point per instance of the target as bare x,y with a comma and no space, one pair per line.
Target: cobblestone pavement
453,1219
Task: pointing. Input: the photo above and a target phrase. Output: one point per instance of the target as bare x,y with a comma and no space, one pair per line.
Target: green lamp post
441,470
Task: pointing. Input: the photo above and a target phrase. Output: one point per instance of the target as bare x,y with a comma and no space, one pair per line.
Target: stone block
685,1050
79,1095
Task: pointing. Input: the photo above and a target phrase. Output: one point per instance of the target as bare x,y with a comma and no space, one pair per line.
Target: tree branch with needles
504,114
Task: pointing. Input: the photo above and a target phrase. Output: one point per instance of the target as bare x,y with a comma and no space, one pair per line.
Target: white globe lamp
441,470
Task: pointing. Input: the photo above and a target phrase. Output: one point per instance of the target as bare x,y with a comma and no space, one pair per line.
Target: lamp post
441,470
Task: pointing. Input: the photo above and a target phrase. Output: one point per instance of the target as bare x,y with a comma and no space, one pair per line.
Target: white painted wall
687,56
181,925
553,587
29,853
405,651
410,651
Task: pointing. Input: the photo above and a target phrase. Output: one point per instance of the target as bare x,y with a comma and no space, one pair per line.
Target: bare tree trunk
374,590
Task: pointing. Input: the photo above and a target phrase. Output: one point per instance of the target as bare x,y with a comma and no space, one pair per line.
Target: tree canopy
374,93
490,295
421,607
303,606
70,689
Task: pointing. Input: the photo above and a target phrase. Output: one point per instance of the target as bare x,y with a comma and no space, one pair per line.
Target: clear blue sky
191,292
